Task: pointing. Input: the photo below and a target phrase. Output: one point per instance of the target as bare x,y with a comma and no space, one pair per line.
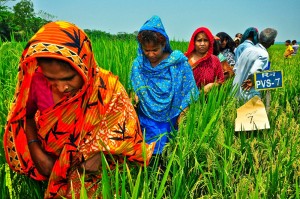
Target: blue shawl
165,90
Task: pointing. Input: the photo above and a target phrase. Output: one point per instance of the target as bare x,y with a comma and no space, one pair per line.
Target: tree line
20,22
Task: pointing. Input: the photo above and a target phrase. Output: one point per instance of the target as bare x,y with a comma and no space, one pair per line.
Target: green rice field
206,158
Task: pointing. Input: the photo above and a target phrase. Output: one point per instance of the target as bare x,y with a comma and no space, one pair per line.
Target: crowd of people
68,111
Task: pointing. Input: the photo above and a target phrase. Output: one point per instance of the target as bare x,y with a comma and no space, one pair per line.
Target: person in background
227,69
295,47
237,41
239,35
67,112
227,47
253,59
288,50
207,68
163,83
250,38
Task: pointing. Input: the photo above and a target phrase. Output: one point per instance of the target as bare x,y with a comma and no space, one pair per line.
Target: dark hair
251,34
147,36
61,62
288,41
230,43
216,47
294,41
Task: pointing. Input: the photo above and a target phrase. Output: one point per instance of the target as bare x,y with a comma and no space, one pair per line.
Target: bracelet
32,141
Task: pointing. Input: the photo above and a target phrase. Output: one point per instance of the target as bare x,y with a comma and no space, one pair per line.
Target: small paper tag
252,116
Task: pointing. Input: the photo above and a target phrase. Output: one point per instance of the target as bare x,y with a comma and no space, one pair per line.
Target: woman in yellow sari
66,111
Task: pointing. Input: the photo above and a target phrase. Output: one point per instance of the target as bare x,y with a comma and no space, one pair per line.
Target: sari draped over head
98,118
155,24
166,89
207,69
191,46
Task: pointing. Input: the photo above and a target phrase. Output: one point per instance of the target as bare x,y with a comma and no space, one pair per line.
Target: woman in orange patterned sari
66,111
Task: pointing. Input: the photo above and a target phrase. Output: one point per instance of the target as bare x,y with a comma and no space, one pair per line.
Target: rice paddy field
206,158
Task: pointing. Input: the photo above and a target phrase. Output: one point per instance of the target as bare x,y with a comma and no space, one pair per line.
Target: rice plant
206,158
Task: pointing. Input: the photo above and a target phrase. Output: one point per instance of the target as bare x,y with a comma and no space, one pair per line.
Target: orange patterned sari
100,117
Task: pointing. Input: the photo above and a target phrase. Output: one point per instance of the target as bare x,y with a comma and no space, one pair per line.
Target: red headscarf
207,69
191,46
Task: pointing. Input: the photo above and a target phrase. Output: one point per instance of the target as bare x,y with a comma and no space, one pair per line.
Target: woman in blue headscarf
163,82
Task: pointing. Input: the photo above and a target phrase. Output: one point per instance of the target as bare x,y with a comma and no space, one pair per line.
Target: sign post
253,115
268,80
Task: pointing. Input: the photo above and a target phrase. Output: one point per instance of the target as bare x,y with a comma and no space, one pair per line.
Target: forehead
150,45
56,70
201,35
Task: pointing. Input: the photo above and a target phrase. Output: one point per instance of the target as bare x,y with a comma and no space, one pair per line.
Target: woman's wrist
33,141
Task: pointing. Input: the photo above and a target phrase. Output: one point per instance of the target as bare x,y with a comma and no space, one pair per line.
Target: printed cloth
228,50
229,56
166,89
99,118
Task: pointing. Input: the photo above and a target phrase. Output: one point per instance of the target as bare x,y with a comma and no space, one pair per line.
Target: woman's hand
136,101
42,161
92,164
134,98
208,87
182,115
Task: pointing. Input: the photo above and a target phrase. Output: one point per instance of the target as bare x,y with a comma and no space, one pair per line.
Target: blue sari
164,91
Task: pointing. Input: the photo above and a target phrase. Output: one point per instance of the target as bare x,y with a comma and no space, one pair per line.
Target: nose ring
66,87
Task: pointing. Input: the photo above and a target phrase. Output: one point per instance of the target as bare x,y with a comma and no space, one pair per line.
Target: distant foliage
98,34
21,22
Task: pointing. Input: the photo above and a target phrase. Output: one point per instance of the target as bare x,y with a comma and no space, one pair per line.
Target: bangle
32,141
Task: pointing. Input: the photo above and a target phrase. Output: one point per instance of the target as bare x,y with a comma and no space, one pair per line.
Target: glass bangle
32,141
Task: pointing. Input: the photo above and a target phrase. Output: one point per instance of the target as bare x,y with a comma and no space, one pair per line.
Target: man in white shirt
253,59
295,47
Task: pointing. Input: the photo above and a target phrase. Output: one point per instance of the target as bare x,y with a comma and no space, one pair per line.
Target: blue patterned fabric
163,91
155,24
166,89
